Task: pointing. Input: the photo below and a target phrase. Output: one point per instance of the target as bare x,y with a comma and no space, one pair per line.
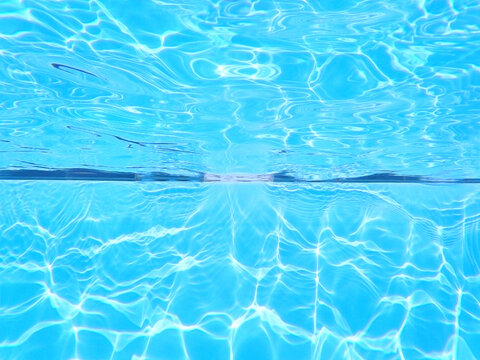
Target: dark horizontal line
91,175
81,174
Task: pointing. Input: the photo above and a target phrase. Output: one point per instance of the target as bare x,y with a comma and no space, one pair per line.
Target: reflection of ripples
249,72
197,271
347,76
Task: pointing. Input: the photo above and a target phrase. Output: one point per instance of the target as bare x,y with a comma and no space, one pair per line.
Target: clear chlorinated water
239,179
98,271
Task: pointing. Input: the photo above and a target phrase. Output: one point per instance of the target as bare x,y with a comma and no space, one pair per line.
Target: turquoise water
214,179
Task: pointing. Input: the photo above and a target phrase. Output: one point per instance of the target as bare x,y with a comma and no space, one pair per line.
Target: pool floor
239,271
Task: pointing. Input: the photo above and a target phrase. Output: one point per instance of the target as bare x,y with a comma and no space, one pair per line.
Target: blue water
244,179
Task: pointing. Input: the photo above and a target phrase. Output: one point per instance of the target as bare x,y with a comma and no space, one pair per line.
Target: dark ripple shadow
65,68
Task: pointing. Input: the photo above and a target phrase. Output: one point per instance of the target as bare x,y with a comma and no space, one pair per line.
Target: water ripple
343,271
250,73
292,90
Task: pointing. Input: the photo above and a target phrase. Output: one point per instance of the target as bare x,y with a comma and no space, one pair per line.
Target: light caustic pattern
323,89
243,271
313,89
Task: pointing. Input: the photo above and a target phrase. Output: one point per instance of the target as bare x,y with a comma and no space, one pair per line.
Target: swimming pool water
239,179
100,271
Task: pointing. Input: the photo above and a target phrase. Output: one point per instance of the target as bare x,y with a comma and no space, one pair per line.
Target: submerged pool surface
244,271
241,179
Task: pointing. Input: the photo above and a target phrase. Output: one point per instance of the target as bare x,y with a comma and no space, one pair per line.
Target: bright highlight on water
247,179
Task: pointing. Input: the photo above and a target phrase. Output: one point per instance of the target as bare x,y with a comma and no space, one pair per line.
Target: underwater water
247,179
243,271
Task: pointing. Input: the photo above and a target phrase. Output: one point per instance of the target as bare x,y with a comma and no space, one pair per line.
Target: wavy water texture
239,271
319,88
310,102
